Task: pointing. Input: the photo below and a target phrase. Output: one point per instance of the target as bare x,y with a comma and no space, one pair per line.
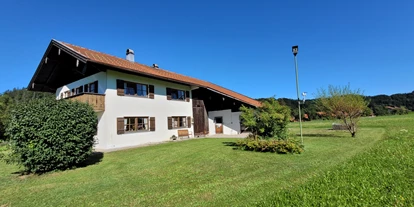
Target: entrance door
219,124
200,118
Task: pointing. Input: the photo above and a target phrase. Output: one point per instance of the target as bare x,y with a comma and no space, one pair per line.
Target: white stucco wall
231,121
100,77
159,107
100,138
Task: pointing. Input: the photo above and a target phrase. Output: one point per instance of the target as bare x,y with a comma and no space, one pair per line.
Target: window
179,121
79,90
87,88
135,89
142,90
133,124
93,87
175,94
129,88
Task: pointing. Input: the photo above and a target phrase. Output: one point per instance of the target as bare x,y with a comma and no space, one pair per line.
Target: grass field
374,169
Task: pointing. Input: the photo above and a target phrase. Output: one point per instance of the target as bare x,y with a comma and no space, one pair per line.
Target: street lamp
295,50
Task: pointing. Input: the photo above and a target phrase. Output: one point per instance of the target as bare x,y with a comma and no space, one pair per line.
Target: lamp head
295,50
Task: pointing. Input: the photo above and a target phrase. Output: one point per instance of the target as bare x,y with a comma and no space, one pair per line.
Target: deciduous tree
343,103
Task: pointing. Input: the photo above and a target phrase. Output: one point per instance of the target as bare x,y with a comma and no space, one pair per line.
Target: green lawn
206,172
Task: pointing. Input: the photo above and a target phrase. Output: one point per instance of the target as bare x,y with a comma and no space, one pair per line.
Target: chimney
155,65
130,55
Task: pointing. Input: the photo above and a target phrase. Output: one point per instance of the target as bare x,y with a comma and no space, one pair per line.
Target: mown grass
206,172
381,176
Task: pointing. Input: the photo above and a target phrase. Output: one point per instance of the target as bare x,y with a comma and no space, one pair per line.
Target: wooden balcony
97,101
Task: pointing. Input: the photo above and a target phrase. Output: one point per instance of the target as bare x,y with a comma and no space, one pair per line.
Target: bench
183,133
336,126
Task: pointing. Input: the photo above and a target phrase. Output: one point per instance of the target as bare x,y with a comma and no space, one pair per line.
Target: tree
270,120
47,135
12,97
5,105
343,103
402,110
367,112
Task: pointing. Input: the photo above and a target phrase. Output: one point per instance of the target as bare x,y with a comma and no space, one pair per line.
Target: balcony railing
97,101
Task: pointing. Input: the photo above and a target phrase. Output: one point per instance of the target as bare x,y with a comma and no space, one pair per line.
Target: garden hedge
47,135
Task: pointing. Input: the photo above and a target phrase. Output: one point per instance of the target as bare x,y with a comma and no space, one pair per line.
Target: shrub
270,120
47,135
271,145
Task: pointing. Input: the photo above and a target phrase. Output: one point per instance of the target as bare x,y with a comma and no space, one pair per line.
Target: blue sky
241,45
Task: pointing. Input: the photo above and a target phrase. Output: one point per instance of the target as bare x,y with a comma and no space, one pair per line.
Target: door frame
215,125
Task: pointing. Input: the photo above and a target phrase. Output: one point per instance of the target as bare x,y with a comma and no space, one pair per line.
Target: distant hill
379,104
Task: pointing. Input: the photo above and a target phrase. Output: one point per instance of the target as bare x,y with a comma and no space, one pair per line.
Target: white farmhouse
137,104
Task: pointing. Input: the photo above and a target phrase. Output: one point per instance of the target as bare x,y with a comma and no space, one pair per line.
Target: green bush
10,98
47,135
271,145
270,120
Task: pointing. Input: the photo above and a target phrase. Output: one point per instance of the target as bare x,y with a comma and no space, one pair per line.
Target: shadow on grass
94,158
322,135
231,144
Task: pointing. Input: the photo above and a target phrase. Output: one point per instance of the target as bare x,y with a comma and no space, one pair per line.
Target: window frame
83,89
79,90
136,90
95,87
177,92
86,88
179,121
136,124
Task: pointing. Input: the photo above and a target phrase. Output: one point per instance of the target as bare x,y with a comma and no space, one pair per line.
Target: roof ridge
119,58
119,62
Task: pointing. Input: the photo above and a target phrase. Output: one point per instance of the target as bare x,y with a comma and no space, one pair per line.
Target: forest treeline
380,105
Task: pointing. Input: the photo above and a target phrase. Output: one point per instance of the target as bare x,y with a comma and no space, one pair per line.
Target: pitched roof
123,64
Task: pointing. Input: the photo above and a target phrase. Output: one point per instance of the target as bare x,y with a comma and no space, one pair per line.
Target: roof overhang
63,63
58,66
223,94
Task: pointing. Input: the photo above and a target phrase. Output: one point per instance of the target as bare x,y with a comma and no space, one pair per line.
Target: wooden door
200,118
218,122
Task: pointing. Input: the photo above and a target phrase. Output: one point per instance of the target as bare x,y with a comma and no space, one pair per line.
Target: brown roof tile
124,64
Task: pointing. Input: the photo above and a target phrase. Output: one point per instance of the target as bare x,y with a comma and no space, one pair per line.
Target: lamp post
295,52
